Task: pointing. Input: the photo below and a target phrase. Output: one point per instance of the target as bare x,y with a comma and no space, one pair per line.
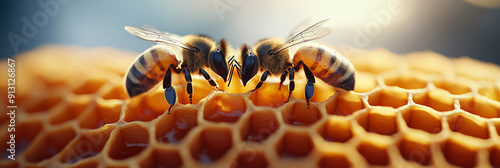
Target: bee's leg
262,79
209,79
291,86
189,86
282,79
170,95
309,91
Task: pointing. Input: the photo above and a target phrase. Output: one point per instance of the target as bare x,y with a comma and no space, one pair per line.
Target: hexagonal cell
380,120
89,86
173,127
497,126
129,140
89,144
345,103
469,126
364,83
375,61
428,62
73,109
476,70
54,80
334,160
336,129
406,82
9,164
453,87
104,112
4,118
416,148
145,108
55,72
459,153
495,155
301,115
422,118
211,144
490,92
480,107
44,103
50,144
294,144
437,99
29,130
25,88
322,91
111,60
250,159
113,91
392,97
116,166
86,163
261,97
224,108
374,152
153,101
162,158
259,126
201,88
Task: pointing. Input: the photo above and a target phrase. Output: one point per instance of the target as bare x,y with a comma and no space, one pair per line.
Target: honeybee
197,52
272,55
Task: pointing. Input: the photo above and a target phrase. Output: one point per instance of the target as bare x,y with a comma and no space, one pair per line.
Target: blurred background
450,27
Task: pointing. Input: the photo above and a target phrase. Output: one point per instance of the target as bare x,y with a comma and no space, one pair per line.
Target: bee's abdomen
148,70
327,65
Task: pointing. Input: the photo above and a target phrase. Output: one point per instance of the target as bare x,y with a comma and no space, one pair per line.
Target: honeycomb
419,109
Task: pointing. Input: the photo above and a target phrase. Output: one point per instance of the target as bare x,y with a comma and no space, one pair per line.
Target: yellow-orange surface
419,109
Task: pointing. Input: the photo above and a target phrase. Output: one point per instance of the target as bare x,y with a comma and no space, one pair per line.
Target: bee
196,53
272,55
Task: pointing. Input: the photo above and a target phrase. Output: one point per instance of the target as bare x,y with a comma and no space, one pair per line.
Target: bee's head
195,56
265,49
217,60
250,65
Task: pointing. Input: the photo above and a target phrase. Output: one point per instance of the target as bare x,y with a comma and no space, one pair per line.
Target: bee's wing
152,34
301,33
171,35
300,27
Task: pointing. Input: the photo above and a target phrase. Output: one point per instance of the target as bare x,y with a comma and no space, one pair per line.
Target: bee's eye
217,62
195,49
249,68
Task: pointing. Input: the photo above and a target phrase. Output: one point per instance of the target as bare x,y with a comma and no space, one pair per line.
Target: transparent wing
301,33
152,34
300,27
171,35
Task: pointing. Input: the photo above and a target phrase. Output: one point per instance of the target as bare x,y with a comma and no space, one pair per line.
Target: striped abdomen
148,69
327,65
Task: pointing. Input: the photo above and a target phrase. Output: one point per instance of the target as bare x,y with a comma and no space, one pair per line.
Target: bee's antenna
232,69
233,64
